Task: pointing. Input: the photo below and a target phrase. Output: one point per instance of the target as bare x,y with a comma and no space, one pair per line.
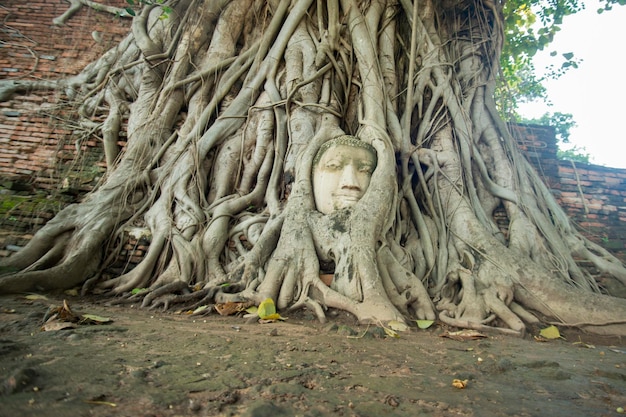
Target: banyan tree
274,143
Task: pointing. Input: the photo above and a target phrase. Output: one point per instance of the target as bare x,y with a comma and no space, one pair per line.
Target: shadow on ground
149,364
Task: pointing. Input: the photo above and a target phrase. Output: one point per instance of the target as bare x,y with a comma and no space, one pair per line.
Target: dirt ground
148,364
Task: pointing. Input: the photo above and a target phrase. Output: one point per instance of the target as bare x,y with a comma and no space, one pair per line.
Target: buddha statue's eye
366,168
333,165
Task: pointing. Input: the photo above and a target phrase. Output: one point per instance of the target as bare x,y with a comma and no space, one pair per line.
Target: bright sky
595,92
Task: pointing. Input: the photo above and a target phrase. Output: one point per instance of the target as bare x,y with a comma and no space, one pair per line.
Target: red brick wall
35,147
594,196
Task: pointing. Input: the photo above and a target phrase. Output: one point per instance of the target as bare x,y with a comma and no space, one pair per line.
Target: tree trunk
226,106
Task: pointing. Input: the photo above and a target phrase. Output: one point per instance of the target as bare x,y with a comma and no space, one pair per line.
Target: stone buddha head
342,169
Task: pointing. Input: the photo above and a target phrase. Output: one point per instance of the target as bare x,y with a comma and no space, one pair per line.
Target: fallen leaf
398,326
92,318
390,332
72,292
550,332
54,325
274,316
136,291
460,384
266,308
35,297
62,313
327,279
252,310
462,335
229,308
101,402
586,345
200,309
424,324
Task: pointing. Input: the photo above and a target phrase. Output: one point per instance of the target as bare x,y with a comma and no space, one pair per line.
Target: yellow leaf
550,332
200,309
252,310
390,332
274,316
460,384
36,297
266,308
397,326
424,324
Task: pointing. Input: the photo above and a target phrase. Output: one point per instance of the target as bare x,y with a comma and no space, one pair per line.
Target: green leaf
550,332
568,55
130,11
98,319
135,291
424,324
131,2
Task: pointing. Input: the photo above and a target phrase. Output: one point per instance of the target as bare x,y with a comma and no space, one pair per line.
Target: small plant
165,10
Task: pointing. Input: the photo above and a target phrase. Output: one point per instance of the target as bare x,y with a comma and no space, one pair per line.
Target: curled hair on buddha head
345,140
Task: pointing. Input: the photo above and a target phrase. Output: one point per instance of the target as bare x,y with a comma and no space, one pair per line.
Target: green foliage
562,123
608,5
576,154
165,10
530,26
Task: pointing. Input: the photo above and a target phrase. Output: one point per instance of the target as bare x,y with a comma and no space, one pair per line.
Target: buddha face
341,173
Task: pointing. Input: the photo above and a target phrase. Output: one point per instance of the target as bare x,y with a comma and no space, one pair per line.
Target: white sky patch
595,92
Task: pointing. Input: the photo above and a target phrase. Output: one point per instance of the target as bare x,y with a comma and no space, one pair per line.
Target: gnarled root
59,257
477,302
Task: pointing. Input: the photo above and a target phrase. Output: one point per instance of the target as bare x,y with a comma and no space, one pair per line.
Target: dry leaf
327,279
54,325
94,319
460,384
35,297
462,335
229,308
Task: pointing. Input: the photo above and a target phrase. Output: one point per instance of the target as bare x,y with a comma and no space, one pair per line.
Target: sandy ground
146,363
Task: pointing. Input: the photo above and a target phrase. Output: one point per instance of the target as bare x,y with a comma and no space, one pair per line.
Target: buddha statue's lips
356,195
